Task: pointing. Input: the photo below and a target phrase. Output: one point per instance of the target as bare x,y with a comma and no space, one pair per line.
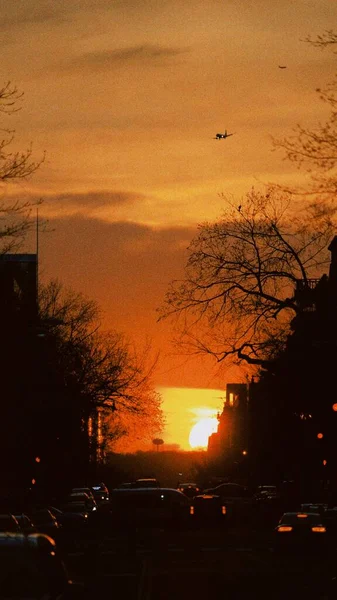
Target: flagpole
37,259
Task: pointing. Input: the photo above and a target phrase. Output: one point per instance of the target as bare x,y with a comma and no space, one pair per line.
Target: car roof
207,497
189,484
20,540
146,490
301,512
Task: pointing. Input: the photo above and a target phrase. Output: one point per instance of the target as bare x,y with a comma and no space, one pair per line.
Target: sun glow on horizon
201,431
184,408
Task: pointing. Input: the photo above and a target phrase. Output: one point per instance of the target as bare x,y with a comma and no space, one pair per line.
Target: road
154,564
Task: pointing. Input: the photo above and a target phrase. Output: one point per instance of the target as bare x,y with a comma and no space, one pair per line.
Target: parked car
32,568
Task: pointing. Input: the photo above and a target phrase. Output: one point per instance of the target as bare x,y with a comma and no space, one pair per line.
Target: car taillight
318,529
284,528
191,510
223,510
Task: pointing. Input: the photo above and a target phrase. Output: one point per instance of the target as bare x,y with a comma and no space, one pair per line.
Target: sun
201,431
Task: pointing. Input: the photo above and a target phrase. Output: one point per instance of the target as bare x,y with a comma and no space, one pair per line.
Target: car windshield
301,519
43,517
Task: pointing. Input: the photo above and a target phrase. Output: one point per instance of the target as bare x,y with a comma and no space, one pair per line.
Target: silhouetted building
18,288
287,420
293,423
232,436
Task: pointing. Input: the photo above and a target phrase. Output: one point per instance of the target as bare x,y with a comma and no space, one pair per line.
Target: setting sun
201,431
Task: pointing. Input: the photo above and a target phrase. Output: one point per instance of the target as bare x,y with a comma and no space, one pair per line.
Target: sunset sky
125,96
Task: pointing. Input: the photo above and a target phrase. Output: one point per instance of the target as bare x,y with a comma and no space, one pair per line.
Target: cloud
92,199
30,13
111,59
79,234
125,265
70,203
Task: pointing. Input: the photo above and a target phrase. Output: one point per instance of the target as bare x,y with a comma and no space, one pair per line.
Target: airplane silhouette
222,136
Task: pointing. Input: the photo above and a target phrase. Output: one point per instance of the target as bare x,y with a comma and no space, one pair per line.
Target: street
160,565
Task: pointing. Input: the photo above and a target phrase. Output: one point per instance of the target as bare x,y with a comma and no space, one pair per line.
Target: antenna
37,258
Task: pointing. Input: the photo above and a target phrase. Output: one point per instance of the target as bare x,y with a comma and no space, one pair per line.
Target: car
146,507
237,498
26,524
318,507
300,529
330,519
207,509
100,493
147,482
79,508
32,568
82,497
9,523
45,522
229,490
74,517
189,489
264,492
125,485
83,490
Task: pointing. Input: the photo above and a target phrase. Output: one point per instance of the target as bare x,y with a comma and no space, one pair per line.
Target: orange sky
125,97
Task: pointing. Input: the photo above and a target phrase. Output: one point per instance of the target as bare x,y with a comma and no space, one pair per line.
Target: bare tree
315,149
15,215
238,296
110,376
